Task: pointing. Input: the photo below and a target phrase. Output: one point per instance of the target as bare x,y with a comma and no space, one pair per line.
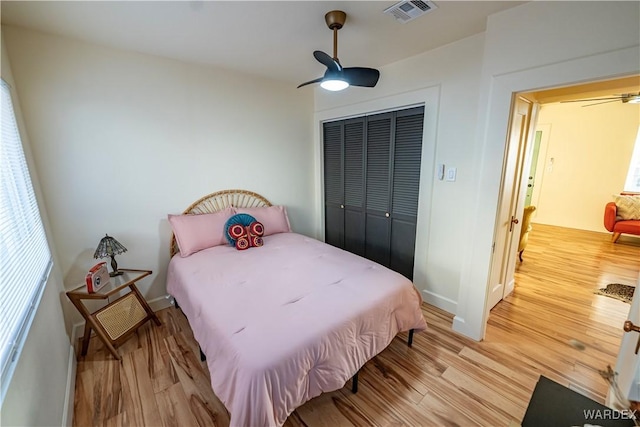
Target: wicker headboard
219,200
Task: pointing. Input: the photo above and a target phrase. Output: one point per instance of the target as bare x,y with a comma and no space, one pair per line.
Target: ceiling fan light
334,85
634,99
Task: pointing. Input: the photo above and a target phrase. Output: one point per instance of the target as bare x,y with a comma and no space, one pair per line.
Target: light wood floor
445,379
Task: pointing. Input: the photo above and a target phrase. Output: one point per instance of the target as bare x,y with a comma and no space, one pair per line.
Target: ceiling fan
338,77
631,98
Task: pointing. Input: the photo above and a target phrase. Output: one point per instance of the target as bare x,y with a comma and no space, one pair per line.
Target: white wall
121,139
533,46
548,32
585,162
45,372
450,121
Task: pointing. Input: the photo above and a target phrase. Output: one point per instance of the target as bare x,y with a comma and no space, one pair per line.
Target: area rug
553,404
618,291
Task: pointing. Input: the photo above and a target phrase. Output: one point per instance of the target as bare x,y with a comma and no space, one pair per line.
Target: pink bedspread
283,323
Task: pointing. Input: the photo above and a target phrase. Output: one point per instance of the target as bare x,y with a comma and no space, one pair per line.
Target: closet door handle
386,214
341,206
629,326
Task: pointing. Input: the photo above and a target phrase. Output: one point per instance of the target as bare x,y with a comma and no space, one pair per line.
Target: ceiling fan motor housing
335,19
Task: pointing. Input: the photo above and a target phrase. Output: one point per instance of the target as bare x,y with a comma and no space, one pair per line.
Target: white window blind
25,259
632,184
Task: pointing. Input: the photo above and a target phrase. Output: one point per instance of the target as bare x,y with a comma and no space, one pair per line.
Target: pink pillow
197,232
273,218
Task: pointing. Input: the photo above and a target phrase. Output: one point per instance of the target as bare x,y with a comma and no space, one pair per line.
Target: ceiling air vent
408,10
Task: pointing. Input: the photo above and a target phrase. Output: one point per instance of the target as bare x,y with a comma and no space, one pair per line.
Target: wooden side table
117,320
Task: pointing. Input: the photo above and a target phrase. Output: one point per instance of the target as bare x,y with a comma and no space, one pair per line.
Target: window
632,184
25,259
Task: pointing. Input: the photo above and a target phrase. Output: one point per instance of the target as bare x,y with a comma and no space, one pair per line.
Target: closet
371,185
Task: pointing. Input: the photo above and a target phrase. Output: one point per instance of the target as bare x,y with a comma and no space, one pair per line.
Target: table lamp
110,247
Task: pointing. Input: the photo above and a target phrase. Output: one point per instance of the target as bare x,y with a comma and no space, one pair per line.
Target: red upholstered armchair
619,226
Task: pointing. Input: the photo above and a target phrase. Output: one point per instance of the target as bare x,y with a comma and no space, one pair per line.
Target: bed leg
354,383
410,340
202,356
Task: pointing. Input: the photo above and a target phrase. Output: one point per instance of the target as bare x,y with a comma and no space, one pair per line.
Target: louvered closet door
371,179
354,218
405,189
380,128
333,136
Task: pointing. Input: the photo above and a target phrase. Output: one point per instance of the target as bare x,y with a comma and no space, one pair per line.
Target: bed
282,323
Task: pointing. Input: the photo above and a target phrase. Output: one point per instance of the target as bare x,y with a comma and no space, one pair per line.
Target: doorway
581,171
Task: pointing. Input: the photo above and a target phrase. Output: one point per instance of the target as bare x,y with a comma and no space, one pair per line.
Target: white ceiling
266,38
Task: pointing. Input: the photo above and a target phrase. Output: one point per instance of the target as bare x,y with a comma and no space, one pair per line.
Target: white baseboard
458,324
77,330
461,327
160,303
509,287
70,392
439,301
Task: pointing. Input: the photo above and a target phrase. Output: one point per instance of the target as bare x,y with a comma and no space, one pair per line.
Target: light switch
451,174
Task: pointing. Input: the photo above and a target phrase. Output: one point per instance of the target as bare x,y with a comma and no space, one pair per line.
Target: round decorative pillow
256,229
242,243
236,231
242,220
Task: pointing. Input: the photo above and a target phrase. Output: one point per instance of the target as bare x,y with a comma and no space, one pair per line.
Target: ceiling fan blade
318,80
360,76
593,99
598,103
327,60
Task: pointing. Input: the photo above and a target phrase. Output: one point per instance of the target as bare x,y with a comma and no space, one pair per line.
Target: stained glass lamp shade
110,247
